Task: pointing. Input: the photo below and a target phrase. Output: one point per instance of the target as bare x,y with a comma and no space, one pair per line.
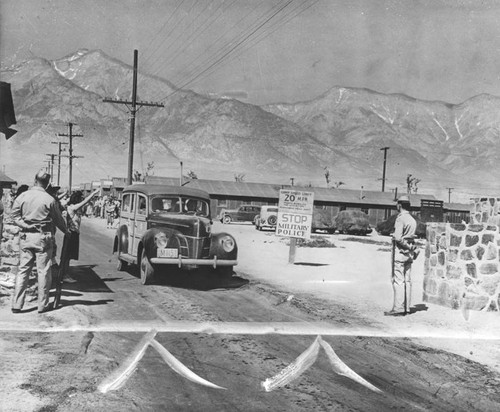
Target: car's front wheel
146,269
121,265
226,220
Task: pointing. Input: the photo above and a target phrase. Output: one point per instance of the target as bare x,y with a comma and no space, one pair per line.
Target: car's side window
141,207
126,202
132,202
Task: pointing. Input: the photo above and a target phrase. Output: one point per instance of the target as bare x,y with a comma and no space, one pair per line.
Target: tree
412,184
240,177
327,176
149,169
137,176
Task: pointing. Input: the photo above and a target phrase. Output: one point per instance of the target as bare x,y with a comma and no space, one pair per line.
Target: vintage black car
165,226
245,213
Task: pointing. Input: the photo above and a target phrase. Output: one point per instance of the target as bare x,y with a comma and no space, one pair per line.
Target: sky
443,50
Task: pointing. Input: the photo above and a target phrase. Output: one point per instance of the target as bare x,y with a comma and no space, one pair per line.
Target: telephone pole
449,193
51,163
59,155
71,157
132,105
385,149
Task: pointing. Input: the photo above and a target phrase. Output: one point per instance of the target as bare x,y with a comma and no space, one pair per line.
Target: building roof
4,179
149,189
458,207
271,191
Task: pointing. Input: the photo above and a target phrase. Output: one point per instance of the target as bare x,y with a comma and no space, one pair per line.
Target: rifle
63,268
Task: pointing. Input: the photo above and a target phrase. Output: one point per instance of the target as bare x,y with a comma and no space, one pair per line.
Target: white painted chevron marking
180,368
295,369
121,374
341,368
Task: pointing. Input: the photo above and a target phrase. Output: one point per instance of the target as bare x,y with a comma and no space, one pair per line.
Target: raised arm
86,200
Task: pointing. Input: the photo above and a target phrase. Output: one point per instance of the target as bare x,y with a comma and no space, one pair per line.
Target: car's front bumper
180,262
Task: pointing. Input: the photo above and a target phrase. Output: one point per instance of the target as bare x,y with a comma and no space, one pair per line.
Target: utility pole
385,149
59,153
449,193
133,110
292,180
181,177
51,164
71,157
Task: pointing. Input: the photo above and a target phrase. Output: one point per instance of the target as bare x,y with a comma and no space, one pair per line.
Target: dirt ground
356,273
353,275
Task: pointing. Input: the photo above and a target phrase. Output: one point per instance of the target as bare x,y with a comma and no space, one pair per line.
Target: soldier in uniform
403,256
37,214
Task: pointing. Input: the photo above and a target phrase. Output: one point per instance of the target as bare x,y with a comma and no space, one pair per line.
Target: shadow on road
419,308
86,280
200,279
82,302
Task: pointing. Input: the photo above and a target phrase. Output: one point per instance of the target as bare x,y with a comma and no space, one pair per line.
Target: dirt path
61,371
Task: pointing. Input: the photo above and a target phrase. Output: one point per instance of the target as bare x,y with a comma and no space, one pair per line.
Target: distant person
36,213
21,189
403,255
89,210
71,244
53,191
110,209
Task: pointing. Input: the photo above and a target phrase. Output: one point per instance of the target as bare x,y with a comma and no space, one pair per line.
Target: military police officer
36,213
403,254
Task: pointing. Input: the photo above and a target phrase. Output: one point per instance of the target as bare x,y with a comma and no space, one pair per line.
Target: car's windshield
181,205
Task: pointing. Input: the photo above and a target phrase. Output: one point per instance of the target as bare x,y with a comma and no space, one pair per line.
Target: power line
150,46
227,48
262,36
190,25
221,58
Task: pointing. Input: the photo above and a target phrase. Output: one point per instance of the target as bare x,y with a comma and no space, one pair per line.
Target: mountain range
342,131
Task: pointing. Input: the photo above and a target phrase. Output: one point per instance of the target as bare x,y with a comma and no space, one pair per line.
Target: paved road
411,377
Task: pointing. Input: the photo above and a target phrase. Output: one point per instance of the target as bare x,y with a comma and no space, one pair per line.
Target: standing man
403,244
37,214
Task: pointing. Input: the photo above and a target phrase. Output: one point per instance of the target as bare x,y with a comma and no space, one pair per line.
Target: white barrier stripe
294,370
341,368
120,375
179,367
254,328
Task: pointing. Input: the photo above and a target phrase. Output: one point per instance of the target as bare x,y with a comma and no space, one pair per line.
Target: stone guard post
461,267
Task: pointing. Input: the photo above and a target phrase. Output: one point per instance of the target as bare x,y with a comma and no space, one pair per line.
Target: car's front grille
198,248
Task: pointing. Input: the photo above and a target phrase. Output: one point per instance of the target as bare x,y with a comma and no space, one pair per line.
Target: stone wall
486,210
462,262
9,254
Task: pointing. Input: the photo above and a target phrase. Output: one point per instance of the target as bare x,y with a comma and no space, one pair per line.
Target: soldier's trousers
401,285
35,248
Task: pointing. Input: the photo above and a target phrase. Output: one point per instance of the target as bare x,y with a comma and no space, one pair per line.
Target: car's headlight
161,240
228,244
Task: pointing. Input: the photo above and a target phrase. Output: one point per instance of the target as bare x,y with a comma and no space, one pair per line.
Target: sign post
295,211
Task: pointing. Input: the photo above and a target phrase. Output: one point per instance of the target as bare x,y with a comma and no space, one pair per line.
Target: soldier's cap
42,177
403,199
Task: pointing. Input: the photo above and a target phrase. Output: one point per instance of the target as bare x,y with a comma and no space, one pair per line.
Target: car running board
127,258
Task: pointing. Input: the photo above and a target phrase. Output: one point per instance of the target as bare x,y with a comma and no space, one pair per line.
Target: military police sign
295,214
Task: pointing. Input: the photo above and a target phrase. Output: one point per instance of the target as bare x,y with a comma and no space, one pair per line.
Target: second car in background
267,218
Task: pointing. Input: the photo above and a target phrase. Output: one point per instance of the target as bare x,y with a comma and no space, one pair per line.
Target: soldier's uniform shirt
35,206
